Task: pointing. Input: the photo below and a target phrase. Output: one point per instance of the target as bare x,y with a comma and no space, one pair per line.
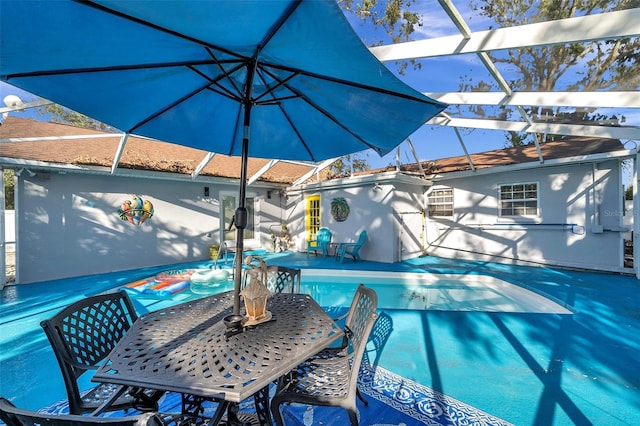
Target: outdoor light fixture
136,211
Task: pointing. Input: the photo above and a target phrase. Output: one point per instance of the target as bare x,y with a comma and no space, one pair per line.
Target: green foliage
59,114
9,189
628,193
353,162
591,66
394,17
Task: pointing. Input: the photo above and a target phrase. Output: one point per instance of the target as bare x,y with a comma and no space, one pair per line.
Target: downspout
596,226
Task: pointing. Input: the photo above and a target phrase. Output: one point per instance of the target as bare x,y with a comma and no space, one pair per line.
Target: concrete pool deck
525,368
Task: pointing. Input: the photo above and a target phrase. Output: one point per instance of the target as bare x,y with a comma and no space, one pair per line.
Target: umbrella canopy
271,79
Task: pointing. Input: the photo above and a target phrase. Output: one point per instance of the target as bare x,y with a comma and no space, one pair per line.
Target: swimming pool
525,366
419,291
409,291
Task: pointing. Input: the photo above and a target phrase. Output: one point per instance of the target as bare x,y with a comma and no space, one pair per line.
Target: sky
444,74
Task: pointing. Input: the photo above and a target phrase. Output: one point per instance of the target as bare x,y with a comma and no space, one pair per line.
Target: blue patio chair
321,243
352,249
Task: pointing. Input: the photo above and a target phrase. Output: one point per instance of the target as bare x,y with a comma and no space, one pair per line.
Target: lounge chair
13,416
352,249
321,242
330,378
81,336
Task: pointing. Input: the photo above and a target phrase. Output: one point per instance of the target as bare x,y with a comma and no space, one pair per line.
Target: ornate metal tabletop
184,348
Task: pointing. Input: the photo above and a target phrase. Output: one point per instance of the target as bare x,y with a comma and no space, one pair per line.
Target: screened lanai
472,56
502,67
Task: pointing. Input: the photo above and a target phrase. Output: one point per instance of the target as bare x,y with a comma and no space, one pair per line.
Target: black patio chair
13,416
330,378
281,279
82,335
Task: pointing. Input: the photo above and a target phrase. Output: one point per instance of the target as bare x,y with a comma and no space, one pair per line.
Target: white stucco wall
582,194
68,224
367,211
390,212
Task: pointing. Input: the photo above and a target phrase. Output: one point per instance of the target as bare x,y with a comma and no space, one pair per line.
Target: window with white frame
227,212
519,199
440,202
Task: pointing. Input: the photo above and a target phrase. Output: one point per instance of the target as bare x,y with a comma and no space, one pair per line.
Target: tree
8,189
591,66
395,17
347,164
59,114
398,22
598,65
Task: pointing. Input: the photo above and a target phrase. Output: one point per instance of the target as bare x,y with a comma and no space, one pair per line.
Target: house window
440,202
229,205
519,199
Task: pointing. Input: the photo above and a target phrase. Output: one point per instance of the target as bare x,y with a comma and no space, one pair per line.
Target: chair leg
261,400
353,417
275,411
361,397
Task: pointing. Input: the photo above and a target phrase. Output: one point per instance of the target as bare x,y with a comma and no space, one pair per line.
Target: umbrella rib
109,68
319,109
140,21
215,81
295,129
166,108
276,27
272,89
344,82
227,74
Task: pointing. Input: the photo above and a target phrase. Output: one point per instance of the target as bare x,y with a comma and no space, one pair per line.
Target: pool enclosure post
636,217
3,246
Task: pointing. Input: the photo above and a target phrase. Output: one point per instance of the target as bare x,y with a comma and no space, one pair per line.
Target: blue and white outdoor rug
393,401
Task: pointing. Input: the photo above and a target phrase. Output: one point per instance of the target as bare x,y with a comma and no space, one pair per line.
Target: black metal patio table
187,349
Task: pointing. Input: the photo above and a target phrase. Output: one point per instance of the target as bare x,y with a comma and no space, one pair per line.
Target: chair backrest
84,333
323,237
281,279
361,240
13,416
360,319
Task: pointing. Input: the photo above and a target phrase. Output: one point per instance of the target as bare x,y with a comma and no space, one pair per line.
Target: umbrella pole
241,213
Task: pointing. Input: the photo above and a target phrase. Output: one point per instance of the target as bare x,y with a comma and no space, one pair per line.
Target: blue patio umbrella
278,79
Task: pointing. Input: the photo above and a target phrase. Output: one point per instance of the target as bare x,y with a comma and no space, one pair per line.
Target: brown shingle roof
139,153
565,148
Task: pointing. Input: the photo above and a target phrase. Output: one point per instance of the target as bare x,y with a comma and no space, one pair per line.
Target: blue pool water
479,339
431,292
